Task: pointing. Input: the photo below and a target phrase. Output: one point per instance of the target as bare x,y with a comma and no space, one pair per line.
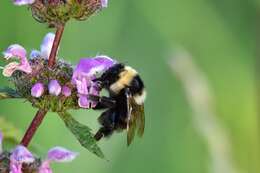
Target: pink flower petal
37,90
60,154
25,67
45,167
15,50
54,88
23,2
82,85
104,3
10,68
15,167
21,155
66,91
84,102
92,66
47,45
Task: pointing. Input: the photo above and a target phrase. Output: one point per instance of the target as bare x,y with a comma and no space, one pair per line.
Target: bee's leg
107,120
103,132
102,102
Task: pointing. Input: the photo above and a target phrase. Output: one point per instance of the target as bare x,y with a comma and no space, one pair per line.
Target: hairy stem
36,122
55,46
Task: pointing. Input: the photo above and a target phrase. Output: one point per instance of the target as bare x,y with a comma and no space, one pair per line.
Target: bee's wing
131,123
140,120
135,119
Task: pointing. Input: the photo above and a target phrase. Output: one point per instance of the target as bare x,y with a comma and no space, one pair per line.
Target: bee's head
110,76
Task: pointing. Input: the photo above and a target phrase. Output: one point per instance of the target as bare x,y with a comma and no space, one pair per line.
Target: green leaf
10,132
82,133
6,93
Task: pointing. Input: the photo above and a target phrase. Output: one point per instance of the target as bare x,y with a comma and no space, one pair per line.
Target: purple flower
92,66
60,154
16,51
104,3
37,90
22,155
46,46
57,154
83,101
23,2
66,91
54,88
19,156
84,73
45,167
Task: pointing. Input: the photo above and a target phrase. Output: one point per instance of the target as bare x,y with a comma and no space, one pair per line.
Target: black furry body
114,118
123,85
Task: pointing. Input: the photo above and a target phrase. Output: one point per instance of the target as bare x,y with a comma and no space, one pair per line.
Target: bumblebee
124,107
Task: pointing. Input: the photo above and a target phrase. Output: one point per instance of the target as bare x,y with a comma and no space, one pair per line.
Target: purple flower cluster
21,155
18,52
82,79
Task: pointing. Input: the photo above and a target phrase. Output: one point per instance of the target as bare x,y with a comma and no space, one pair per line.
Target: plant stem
36,122
55,46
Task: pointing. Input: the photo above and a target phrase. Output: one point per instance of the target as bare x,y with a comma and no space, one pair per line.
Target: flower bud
66,91
37,90
23,2
58,12
104,3
54,88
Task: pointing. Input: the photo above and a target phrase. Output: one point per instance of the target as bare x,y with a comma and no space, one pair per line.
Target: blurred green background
220,36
